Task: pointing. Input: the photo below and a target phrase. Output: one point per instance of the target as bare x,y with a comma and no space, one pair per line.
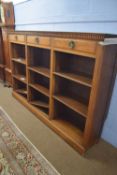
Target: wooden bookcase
65,82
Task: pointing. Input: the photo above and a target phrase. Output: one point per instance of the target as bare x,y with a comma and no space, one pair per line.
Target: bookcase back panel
19,69
68,115
72,90
18,50
19,85
35,95
39,100
39,57
76,64
36,78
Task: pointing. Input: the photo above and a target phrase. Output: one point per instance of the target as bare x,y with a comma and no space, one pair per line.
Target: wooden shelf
39,103
2,66
72,104
76,78
41,70
22,96
40,88
8,70
20,78
70,131
21,91
19,60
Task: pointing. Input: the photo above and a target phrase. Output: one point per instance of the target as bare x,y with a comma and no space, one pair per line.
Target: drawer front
17,38
37,40
75,45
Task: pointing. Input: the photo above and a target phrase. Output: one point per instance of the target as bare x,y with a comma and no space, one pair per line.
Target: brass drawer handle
71,44
16,37
37,40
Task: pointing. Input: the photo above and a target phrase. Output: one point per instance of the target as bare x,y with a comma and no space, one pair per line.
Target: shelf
39,103
41,70
19,60
21,91
23,96
20,78
40,88
76,78
70,131
72,104
8,70
2,66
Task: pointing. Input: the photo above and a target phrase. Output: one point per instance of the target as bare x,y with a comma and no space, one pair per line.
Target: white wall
63,15
97,16
14,1
110,126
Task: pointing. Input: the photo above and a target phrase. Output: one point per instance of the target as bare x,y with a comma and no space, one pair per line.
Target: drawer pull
71,44
37,40
16,37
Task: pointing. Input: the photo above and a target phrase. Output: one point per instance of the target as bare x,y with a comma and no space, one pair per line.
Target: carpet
18,156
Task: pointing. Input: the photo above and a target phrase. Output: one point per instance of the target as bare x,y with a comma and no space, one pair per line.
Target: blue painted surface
75,16
109,132
63,15
18,1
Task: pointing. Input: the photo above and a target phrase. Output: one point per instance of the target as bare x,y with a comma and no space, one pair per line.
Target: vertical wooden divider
52,82
10,55
27,76
27,71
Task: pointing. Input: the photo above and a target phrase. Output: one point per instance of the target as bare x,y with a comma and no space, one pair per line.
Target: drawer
75,45
17,38
38,40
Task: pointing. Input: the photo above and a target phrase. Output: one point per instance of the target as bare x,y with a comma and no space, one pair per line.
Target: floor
100,159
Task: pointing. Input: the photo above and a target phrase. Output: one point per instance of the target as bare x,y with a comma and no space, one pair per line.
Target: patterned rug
17,154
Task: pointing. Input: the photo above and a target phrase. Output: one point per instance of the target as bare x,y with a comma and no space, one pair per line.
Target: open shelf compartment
39,60
20,87
74,67
73,95
38,100
19,71
69,122
18,53
39,82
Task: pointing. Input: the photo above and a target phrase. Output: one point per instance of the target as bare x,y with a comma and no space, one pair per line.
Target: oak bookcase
66,82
